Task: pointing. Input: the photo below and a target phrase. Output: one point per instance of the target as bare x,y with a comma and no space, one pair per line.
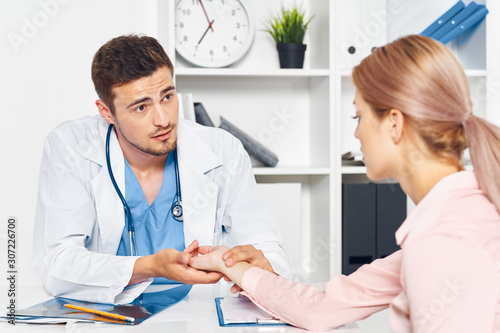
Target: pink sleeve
452,285
344,299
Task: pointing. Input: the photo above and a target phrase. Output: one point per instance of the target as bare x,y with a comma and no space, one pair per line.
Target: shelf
263,171
237,72
353,170
468,72
475,72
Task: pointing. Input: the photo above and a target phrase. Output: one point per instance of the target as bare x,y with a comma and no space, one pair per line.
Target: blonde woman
414,122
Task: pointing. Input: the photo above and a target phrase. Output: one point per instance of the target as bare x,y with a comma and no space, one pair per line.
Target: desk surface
194,314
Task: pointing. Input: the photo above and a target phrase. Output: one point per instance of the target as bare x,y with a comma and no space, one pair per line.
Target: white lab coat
80,218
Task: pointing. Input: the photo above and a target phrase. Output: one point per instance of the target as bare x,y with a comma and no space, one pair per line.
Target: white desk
194,314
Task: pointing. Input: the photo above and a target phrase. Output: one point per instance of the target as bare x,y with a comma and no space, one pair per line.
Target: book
467,23
252,146
352,159
455,20
201,115
181,105
443,19
188,106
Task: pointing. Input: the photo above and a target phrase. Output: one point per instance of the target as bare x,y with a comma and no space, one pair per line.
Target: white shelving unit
475,49
303,115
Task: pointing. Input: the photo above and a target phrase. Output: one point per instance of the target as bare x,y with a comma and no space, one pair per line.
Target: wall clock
213,33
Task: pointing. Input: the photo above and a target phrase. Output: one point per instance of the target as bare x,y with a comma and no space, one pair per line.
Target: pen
101,313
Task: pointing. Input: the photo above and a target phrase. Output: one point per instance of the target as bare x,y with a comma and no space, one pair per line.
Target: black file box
371,214
359,213
391,212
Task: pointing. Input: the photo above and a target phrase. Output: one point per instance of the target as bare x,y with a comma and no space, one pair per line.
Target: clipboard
266,319
143,307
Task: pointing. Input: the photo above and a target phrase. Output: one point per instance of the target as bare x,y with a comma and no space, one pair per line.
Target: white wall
46,50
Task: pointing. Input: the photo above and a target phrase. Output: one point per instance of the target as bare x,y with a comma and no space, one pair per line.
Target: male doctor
82,248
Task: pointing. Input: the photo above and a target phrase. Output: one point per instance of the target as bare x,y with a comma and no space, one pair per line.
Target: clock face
212,33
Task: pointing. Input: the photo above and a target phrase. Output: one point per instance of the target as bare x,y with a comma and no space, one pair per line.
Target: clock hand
208,20
206,31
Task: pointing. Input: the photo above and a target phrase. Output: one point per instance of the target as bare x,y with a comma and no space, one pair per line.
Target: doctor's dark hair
421,78
124,59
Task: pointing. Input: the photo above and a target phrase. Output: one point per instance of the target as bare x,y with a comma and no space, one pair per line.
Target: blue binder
443,19
455,20
469,22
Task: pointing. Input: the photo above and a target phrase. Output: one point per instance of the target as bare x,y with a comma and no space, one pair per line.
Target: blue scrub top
155,227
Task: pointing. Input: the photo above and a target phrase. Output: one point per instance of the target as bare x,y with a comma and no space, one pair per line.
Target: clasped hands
218,259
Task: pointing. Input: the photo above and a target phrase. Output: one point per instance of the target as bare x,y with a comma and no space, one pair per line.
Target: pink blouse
445,278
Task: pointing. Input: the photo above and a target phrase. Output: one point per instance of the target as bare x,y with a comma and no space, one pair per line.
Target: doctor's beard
167,146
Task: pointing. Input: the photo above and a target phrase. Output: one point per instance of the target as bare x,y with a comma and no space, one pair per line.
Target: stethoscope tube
128,214
177,211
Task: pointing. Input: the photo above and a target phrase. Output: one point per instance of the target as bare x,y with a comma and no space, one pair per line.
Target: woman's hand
215,259
210,259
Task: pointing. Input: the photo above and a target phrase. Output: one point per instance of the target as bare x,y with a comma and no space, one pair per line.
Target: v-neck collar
143,200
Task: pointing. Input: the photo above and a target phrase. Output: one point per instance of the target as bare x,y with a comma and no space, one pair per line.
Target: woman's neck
419,180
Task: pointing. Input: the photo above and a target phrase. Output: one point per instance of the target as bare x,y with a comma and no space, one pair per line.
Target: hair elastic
466,117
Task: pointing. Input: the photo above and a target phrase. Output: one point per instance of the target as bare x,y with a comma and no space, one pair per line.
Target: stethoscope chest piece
177,212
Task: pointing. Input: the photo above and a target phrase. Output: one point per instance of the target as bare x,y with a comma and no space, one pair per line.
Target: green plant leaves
289,27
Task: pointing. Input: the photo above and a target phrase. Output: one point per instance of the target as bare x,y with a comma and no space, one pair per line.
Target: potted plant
288,30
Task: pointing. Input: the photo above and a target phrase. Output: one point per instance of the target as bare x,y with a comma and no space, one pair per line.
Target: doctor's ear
396,121
105,111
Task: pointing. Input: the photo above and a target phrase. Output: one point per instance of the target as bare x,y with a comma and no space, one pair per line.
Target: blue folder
469,22
443,19
455,20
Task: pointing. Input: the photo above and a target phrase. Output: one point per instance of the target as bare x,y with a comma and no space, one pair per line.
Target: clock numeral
238,25
235,38
233,12
186,12
185,38
211,52
181,25
224,48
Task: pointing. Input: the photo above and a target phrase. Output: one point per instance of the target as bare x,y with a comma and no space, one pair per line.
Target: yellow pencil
101,313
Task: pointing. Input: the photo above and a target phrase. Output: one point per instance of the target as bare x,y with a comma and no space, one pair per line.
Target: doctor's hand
173,265
247,253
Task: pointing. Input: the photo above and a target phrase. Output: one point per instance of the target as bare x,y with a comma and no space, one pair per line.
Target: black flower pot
291,55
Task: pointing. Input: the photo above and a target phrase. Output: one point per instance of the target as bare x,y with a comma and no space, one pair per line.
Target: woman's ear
105,111
396,124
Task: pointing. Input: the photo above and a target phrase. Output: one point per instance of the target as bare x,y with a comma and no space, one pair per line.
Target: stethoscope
176,203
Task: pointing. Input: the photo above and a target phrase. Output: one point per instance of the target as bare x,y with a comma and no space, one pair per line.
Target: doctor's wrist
144,268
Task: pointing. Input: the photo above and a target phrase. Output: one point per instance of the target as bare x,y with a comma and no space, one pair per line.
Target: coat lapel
110,213
199,192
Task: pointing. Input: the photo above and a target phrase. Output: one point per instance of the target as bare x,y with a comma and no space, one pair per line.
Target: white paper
241,310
